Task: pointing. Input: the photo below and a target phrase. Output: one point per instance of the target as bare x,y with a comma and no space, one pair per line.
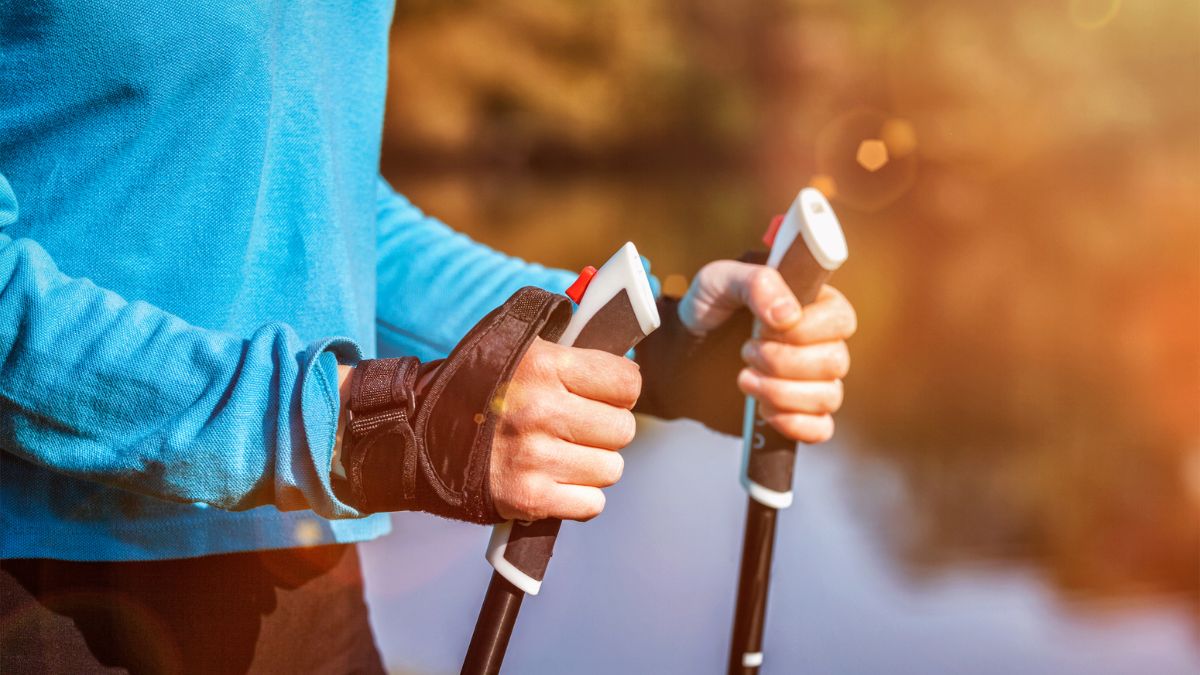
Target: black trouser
287,611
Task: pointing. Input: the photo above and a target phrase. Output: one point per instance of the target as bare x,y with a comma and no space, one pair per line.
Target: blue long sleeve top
193,233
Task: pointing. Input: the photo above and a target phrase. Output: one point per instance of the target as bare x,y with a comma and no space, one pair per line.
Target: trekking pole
616,310
807,245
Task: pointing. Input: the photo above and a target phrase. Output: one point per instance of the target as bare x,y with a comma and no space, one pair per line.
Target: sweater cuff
320,409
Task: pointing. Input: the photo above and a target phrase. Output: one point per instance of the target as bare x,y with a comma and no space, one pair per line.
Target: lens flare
500,401
872,154
855,162
675,285
825,184
307,532
899,136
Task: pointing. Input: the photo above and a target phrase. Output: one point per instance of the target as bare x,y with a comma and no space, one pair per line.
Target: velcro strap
383,394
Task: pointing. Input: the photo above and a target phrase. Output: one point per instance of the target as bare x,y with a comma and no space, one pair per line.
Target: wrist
343,375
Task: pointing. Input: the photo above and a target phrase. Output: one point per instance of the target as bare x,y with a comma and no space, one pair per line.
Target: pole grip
769,456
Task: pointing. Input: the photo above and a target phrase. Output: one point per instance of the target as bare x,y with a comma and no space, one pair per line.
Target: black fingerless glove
419,436
685,375
695,376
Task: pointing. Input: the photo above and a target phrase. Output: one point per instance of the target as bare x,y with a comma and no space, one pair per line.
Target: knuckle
756,354
538,452
849,321
825,398
823,430
531,499
614,468
770,358
772,391
805,428
524,419
835,396
546,358
594,505
533,359
628,428
837,361
634,376
764,279
788,425
629,382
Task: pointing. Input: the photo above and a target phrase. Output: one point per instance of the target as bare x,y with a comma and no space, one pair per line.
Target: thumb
724,286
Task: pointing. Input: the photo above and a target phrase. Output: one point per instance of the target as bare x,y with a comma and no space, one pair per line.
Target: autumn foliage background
1026,263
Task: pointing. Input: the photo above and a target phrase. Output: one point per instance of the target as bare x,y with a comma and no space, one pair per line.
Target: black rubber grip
614,328
772,455
530,546
802,273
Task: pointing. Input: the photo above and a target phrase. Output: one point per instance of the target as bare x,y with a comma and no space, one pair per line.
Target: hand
796,364
565,413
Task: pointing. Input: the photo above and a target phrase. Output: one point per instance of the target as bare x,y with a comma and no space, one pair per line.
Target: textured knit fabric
192,233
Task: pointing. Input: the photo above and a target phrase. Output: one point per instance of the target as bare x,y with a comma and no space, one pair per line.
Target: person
230,347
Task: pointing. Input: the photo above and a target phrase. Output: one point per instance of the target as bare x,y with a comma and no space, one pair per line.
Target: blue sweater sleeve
129,395
435,283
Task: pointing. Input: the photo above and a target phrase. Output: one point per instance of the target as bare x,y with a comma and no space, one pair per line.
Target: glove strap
383,393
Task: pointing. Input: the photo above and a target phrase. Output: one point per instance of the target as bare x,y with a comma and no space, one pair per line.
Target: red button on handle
772,230
577,289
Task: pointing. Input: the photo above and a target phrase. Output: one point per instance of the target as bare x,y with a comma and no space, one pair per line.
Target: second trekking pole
807,245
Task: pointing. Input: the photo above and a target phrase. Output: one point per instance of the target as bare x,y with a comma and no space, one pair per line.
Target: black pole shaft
754,579
494,627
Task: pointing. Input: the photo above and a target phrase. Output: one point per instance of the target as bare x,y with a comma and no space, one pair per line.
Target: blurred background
1020,186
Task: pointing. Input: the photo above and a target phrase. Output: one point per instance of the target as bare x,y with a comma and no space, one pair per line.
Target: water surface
648,587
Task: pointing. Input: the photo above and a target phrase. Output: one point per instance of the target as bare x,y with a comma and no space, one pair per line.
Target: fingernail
784,311
747,350
750,380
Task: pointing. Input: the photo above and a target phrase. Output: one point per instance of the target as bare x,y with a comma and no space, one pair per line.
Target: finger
801,427
580,465
801,396
769,298
764,292
576,502
586,422
831,317
822,361
600,376
721,287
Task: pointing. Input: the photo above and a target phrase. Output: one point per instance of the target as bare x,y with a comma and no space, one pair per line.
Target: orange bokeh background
1025,260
